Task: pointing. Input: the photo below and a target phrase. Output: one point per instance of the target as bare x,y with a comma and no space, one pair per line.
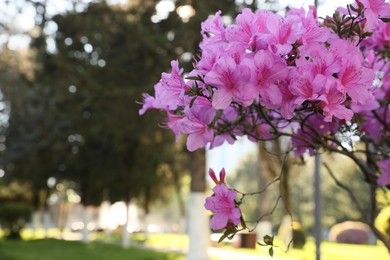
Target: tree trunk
198,228
373,212
264,227
274,162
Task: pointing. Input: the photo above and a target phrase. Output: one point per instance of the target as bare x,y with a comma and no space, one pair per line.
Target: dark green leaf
271,251
386,20
243,224
268,240
225,235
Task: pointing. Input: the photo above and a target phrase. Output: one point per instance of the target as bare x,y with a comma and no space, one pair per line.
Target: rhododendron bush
316,81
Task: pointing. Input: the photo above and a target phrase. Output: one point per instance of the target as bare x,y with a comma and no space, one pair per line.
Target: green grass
173,242
329,251
334,251
49,249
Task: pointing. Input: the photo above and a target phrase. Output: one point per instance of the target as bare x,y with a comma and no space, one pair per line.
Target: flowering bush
382,222
267,75
222,204
350,232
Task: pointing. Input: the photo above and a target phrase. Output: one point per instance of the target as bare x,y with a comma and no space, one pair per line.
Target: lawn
330,251
49,249
334,251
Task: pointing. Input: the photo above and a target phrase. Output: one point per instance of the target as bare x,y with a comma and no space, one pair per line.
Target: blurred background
77,162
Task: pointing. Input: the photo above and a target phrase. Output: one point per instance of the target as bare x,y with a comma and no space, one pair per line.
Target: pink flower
169,91
374,9
172,124
317,59
268,71
222,204
148,103
213,32
220,139
379,39
313,32
195,124
231,83
240,34
357,81
332,104
307,87
288,103
373,127
283,32
384,178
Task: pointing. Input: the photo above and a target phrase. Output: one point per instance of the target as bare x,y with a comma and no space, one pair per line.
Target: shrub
382,222
14,215
350,232
299,235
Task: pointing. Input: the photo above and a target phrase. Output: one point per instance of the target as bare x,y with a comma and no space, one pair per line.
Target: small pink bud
222,175
213,176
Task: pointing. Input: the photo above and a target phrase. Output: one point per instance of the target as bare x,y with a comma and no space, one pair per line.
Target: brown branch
347,189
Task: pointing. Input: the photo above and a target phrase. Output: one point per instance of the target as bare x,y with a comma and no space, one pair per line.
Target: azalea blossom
321,83
232,83
222,204
384,178
374,9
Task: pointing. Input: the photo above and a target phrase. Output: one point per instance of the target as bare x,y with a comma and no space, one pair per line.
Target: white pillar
198,227
46,222
36,220
125,232
104,219
86,218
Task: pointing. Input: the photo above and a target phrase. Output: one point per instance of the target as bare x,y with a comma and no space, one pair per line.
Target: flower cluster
222,204
266,73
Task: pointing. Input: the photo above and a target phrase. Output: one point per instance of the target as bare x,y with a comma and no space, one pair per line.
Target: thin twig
347,189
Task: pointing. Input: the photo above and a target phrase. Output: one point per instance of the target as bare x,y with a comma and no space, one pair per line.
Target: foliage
74,112
299,235
14,215
382,221
61,250
350,232
84,126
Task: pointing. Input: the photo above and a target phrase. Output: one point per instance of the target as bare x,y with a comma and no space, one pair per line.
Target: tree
75,118
312,93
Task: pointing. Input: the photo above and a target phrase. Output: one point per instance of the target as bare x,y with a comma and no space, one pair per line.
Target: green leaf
194,78
225,235
367,34
268,240
243,224
192,101
353,8
386,20
271,251
346,20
